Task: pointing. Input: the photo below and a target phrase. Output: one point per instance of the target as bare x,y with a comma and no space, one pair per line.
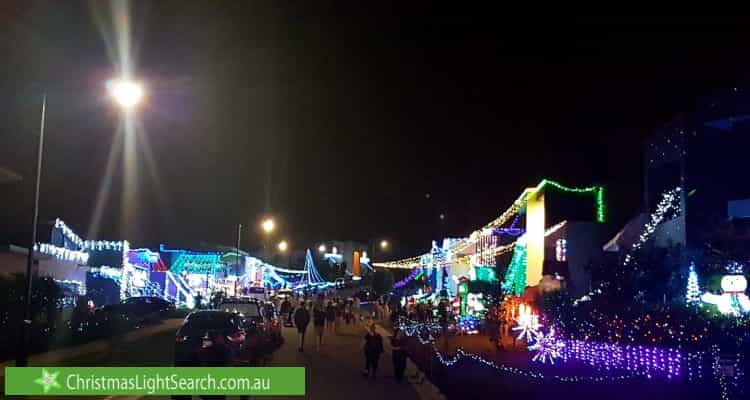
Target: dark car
258,324
137,310
197,329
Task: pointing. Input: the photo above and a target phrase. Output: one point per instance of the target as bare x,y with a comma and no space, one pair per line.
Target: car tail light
237,337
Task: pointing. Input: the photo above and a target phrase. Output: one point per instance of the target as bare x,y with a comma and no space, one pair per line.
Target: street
334,373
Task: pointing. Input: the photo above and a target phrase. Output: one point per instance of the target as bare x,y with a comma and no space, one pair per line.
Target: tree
692,296
382,281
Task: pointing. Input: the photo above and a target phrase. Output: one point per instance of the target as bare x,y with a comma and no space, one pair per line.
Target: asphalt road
333,373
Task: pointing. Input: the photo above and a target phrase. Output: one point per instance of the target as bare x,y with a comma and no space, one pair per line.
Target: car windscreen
247,310
203,322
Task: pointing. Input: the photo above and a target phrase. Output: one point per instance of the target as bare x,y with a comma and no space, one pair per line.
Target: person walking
330,316
356,307
319,320
399,355
373,348
301,320
286,311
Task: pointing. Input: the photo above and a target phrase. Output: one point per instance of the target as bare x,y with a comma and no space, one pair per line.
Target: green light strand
598,192
197,263
515,277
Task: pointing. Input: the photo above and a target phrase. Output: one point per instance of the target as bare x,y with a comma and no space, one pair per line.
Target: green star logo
48,380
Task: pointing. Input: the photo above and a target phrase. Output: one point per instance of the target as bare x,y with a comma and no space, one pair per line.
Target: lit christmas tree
692,297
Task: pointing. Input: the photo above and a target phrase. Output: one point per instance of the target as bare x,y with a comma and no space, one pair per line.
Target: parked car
258,325
196,330
137,310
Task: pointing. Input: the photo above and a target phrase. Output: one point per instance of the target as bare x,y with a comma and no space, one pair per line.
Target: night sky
342,123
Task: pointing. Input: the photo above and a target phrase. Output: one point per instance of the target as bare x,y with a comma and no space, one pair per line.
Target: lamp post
22,358
127,94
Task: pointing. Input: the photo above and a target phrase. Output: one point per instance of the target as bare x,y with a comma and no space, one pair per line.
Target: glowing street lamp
283,245
125,92
383,244
322,248
268,225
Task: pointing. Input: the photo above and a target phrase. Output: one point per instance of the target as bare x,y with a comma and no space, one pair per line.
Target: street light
383,244
125,92
322,248
283,245
268,225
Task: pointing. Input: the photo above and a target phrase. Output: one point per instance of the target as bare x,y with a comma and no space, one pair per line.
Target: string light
528,324
547,348
515,278
670,201
460,246
62,253
412,275
692,296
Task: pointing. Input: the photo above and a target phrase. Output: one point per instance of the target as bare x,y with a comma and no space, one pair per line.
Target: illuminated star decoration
528,324
48,380
547,348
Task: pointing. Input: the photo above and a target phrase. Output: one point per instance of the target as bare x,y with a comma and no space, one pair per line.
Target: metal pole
22,359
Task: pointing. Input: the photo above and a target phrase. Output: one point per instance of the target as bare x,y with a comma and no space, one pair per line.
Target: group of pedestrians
328,311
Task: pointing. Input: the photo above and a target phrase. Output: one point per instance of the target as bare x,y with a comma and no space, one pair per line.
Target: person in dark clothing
330,316
319,320
399,355
301,320
286,310
373,348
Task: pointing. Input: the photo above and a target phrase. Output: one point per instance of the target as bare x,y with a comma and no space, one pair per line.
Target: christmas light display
723,366
732,300
561,250
606,358
313,277
647,361
462,245
547,348
61,253
528,324
103,245
68,233
670,201
515,277
468,325
462,354
692,296
412,275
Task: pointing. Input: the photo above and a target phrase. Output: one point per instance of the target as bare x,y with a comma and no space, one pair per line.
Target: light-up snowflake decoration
528,324
547,348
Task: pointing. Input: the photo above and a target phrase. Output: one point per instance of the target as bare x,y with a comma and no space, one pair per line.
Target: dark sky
339,121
